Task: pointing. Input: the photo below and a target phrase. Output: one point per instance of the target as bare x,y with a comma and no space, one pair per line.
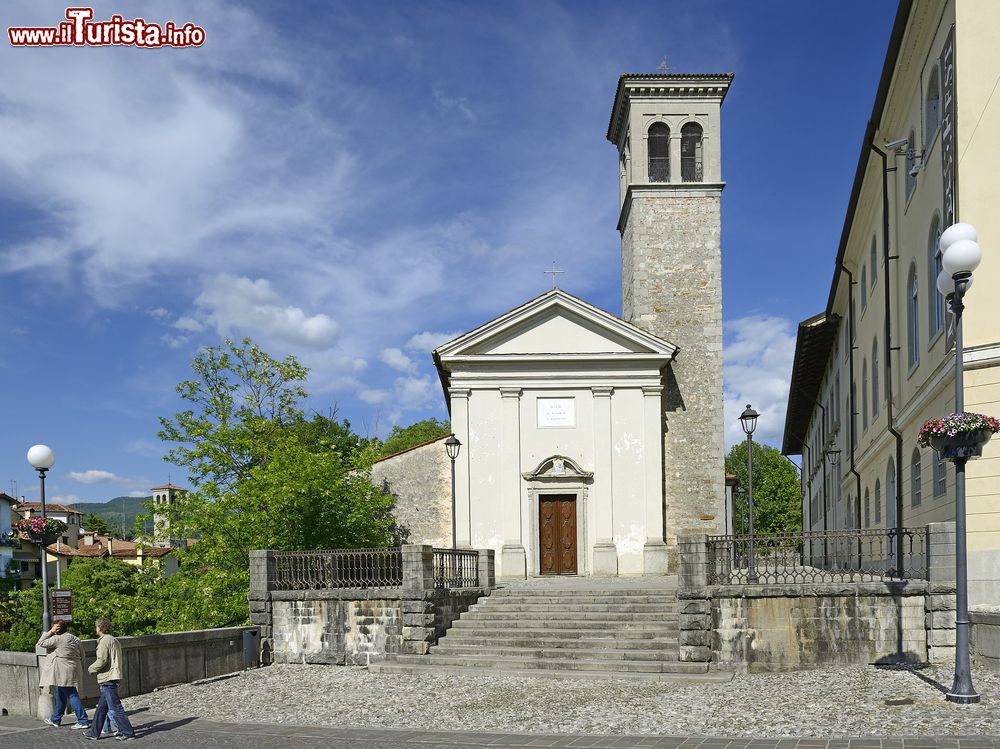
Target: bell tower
666,128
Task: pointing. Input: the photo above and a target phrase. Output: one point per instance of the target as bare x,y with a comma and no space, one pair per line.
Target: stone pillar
487,569
693,553
418,611
513,561
262,581
654,552
939,604
418,570
694,619
460,427
605,553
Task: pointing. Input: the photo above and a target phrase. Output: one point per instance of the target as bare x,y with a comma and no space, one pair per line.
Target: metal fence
834,556
338,568
456,568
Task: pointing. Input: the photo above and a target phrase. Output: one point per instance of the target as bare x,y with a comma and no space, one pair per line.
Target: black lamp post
960,255
42,459
834,456
452,445
748,420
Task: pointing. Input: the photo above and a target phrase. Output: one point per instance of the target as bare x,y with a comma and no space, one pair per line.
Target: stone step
490,634
582,654
556,624
500,605
572,598
502,616
547,640
417,667
566,664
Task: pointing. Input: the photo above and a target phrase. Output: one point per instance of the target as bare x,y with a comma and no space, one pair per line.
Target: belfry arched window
691,153
658,145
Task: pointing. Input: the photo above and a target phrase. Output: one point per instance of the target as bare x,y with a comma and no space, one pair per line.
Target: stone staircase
566,627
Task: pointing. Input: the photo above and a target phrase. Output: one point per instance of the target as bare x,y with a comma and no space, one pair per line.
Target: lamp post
834,455
452,445
748,420
42,459
960,256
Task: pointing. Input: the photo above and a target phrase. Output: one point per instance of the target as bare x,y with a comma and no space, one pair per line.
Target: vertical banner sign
62,605
948,165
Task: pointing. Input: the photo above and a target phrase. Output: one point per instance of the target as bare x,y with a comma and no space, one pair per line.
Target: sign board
62,605
556,412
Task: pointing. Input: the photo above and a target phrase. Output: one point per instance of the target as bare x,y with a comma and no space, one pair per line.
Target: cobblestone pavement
828,704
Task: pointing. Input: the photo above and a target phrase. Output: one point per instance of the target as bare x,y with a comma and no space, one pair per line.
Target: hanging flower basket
960,435
40,530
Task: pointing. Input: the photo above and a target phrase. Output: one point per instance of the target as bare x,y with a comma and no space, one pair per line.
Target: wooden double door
557,534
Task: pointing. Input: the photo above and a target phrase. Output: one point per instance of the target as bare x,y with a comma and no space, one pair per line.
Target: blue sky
352,183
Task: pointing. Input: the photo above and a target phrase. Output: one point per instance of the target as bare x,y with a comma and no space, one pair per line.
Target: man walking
65,654
108,668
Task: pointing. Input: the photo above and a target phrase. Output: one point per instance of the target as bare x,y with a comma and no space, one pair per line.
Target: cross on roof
553,273
663,67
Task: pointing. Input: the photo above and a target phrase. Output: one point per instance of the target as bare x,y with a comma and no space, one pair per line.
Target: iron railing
811,557
691,169
659,169
338,568
456,568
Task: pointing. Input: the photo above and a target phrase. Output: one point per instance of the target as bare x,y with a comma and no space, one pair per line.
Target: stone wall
985,637
420,480
148,662
359,626
777,627
672,287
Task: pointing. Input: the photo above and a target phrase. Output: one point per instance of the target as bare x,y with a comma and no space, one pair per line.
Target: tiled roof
49,507
169,486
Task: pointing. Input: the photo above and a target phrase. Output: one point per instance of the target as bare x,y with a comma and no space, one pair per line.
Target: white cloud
447,103
251,306
158,314
373,395
65,499
94,476
139,494
396,359
189,324
758,352
429,340
414,392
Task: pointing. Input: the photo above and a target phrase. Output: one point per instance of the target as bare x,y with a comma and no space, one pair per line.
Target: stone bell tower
666,128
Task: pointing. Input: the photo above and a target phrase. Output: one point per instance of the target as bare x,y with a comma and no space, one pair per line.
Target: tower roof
670,85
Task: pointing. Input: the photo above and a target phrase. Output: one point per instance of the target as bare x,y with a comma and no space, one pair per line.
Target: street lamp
748,420
960,255
42,459
452,445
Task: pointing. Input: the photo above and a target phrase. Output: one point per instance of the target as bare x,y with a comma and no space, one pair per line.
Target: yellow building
879,361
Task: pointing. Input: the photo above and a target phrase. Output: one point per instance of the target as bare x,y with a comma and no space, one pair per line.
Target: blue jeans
110,704
64,695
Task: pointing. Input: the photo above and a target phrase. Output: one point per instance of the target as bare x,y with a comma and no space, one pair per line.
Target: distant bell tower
666,127
164,498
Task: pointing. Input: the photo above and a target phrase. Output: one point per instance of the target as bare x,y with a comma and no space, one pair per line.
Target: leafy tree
776,491
403,438
96,524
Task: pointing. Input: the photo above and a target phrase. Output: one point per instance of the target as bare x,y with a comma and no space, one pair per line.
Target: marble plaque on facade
556,412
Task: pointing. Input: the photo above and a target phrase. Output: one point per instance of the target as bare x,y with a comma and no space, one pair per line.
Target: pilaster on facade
605,552
513,557
460,427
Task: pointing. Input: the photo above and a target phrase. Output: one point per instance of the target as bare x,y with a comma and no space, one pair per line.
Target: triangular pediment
556,323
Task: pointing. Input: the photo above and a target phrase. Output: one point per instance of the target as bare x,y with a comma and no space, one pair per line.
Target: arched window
875,378
913,318
915,487
691,153
659,152
868,510
864,395
864,288
878,502
911,161
873,262
940,475
936,308
932,108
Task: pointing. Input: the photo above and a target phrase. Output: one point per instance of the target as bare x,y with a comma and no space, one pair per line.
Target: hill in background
118,512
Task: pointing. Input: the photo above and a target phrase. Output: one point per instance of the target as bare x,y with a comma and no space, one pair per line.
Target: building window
915,487
875,378
878,502
936,308
864,396
864,288
659,152
940,475
932,108
913,318
873,262
868,510
691,153
911,161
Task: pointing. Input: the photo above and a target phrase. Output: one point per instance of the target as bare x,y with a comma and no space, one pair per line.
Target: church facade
590,442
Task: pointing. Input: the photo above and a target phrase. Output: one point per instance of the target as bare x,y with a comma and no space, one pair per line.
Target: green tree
403,438
96,524
776,491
